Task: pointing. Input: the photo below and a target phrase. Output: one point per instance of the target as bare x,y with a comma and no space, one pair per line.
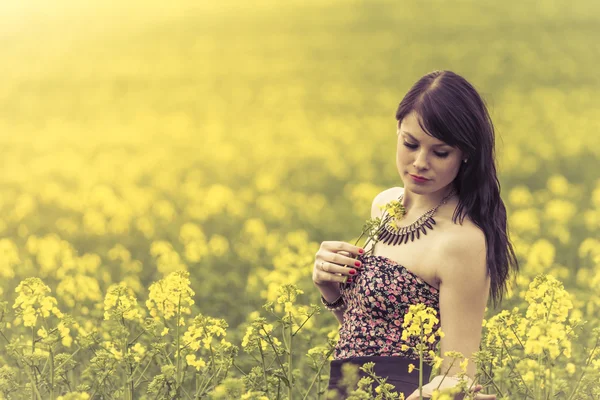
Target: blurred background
231,138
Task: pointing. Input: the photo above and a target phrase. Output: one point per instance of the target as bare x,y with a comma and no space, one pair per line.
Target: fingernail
361,251
352,272
349,280
357,263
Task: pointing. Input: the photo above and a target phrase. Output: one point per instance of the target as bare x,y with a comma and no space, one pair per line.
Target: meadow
169,171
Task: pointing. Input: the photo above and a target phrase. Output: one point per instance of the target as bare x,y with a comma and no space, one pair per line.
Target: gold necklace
396,236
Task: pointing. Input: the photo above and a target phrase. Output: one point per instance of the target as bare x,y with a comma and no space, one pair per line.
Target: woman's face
423,155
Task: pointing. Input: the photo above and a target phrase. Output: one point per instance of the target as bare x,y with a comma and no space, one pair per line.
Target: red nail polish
352,272
361,251
357,263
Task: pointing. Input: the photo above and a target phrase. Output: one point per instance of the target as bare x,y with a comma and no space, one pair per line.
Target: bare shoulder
383,198
464,249
390,194
469,235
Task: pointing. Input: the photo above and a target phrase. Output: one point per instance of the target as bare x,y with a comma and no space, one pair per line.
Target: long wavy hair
451,110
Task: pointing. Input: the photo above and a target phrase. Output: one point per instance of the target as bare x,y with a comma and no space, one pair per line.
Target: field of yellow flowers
169,170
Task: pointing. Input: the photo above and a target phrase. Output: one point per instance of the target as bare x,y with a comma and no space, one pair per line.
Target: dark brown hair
451,110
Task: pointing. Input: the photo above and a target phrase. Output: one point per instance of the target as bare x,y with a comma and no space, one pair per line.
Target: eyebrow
435,145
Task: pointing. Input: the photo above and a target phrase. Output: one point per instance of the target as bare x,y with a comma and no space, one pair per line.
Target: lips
419,177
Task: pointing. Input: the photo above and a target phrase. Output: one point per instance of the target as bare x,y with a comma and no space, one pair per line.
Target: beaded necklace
396,236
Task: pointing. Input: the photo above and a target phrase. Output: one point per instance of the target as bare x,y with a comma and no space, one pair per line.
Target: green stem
205,386
32,375
5,338
35,390
420,373
275,349
493,383
583,369
262,357
370,238
239,369
71,356
178,349
318,373
447,372
301,325
290,377
514,363
126,393
421,360
51,372
142,374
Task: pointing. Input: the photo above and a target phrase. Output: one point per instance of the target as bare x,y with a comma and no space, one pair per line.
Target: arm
464,290
332,292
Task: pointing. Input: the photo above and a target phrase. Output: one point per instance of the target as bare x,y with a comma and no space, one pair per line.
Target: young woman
452,251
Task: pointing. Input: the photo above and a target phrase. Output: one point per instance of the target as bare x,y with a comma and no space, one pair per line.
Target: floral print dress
376,302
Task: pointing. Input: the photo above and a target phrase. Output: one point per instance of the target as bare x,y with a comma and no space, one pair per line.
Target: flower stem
318,373
51,372
32,376
290,378
262,357
178,349
421,360
420,374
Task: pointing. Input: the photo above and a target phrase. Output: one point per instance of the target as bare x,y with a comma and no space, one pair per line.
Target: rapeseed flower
170,296
33,301
120,302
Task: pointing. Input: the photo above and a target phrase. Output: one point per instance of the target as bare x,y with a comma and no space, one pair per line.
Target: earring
465,160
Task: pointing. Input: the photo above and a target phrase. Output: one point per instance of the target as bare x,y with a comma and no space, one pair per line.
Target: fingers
332,268
335,261
482,396
485,397
338,247
344,260
479,396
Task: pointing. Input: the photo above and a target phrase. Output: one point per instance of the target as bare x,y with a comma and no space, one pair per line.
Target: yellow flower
120,302
191,361
170,294
33,301
419,323
202,330
74,396
463,365
66,338
570,368
411,368
42,332
138,350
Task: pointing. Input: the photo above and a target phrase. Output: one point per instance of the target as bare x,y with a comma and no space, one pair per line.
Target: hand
332,259
447,383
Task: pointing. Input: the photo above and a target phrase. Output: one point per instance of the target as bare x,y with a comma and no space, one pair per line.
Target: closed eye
414,146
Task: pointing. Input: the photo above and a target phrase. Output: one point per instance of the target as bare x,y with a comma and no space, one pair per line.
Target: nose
421,162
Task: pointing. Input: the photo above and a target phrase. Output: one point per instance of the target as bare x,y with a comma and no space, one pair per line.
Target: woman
458,256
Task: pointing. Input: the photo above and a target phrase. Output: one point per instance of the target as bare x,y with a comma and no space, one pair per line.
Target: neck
425,202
